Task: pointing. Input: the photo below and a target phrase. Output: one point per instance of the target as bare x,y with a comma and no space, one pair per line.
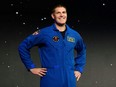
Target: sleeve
24,49
80,59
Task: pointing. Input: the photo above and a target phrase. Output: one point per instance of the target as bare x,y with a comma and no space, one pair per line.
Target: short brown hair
58,5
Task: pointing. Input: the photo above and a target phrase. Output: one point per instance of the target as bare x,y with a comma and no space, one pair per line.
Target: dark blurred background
93,19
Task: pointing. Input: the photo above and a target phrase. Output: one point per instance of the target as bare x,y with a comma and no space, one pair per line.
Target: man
56,44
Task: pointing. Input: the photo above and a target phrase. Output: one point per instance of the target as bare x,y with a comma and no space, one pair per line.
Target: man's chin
61,24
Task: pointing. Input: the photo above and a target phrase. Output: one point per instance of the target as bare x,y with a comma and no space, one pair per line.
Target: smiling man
56,44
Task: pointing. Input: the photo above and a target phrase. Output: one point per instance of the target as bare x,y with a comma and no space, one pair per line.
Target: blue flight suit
56,54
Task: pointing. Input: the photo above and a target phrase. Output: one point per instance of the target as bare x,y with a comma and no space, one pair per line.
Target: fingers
77,75
39,71
42,72
41,75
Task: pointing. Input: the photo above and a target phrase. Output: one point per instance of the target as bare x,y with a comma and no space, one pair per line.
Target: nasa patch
55,38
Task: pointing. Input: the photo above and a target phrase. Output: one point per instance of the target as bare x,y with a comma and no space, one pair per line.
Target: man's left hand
77,75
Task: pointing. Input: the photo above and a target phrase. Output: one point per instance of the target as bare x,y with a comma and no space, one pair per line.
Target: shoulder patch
36,32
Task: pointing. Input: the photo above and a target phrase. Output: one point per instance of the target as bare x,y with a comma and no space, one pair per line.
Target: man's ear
52,16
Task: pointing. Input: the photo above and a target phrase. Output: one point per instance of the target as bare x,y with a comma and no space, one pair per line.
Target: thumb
78,77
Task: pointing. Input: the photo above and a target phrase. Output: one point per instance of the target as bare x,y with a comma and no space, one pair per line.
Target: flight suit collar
67,28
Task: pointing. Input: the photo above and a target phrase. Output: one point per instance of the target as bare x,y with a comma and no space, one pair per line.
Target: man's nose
61,14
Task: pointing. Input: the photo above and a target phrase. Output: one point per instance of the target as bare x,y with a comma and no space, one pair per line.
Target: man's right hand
39,71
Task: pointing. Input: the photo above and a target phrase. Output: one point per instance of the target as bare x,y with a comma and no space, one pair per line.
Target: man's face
60,15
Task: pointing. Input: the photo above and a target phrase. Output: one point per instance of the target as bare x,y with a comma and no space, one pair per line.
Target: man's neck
61,28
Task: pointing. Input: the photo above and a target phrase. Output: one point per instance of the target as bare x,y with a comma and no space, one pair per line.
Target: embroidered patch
36,32
70,39
56,38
